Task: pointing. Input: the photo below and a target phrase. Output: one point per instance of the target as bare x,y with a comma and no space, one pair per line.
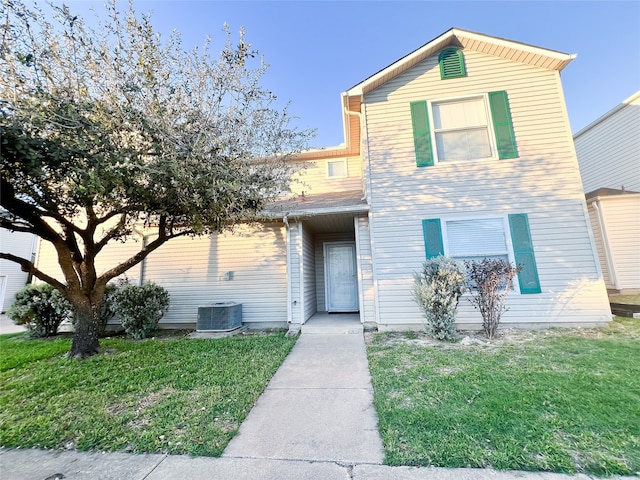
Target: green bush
437,290
41,308
140,308
490,281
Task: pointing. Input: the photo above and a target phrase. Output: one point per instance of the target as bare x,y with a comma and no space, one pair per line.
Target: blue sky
318,49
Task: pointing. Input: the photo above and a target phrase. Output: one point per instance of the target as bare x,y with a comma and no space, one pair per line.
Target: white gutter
348,112
605,244
328,211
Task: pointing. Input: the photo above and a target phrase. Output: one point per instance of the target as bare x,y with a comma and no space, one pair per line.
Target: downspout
366,181
143,263
285,220
605,244
35,254
346,111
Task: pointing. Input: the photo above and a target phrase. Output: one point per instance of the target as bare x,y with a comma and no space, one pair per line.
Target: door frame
327,282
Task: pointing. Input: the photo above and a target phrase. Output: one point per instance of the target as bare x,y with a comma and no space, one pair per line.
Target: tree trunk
87,329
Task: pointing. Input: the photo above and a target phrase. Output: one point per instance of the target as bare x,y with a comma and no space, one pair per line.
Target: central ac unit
219,317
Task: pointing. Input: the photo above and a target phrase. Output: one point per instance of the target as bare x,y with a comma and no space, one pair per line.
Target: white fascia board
612,198
327,211
442,40
614,110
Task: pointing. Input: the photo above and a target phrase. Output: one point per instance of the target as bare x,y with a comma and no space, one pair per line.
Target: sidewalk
315,421
41,465
7,325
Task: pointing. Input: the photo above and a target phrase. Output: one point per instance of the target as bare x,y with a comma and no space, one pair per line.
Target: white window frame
492,136
507,236
339,160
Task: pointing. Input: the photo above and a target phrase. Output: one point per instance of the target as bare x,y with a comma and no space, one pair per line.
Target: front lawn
176,395
559,400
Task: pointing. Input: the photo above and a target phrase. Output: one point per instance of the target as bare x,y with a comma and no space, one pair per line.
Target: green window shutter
421,134
523,250
502,124
432,237
451,63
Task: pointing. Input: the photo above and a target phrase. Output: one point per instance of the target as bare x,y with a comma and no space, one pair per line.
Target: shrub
41,308
437,290
107,310
490,281
140,308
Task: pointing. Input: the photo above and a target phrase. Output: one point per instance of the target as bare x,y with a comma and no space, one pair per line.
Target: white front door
341,280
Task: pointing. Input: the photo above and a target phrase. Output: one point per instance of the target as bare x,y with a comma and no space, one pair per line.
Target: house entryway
329,269
341,277
333,323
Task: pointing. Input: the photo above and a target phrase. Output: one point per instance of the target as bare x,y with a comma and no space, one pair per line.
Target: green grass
563,401
176,395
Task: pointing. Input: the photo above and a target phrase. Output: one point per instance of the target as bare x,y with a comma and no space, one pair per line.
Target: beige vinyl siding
193,271
609,150
111,255
543,183
621,215
309,274
319,241
295,264
22,245
596,227
313,178
365,270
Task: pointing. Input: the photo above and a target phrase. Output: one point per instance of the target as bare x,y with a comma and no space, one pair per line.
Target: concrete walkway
314,421
317,407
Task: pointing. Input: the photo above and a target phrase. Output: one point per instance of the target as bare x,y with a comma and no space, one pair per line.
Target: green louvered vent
451,63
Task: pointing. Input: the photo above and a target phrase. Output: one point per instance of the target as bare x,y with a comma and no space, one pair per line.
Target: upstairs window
468,128
451,63
337,169
461,129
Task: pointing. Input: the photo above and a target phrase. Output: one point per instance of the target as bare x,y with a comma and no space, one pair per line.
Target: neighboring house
463,148
609,156
12,278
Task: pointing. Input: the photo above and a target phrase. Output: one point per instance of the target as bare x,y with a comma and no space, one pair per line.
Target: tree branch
28,266
110,234
26,212
141,255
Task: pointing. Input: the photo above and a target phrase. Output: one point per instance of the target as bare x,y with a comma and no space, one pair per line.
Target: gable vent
451,63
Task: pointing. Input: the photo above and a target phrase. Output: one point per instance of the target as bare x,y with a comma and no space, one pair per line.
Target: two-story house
462,148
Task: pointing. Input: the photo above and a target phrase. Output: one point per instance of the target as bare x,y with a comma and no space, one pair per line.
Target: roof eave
304,213
555,60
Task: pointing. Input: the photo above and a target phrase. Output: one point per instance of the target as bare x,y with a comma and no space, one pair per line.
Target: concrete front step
348,329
